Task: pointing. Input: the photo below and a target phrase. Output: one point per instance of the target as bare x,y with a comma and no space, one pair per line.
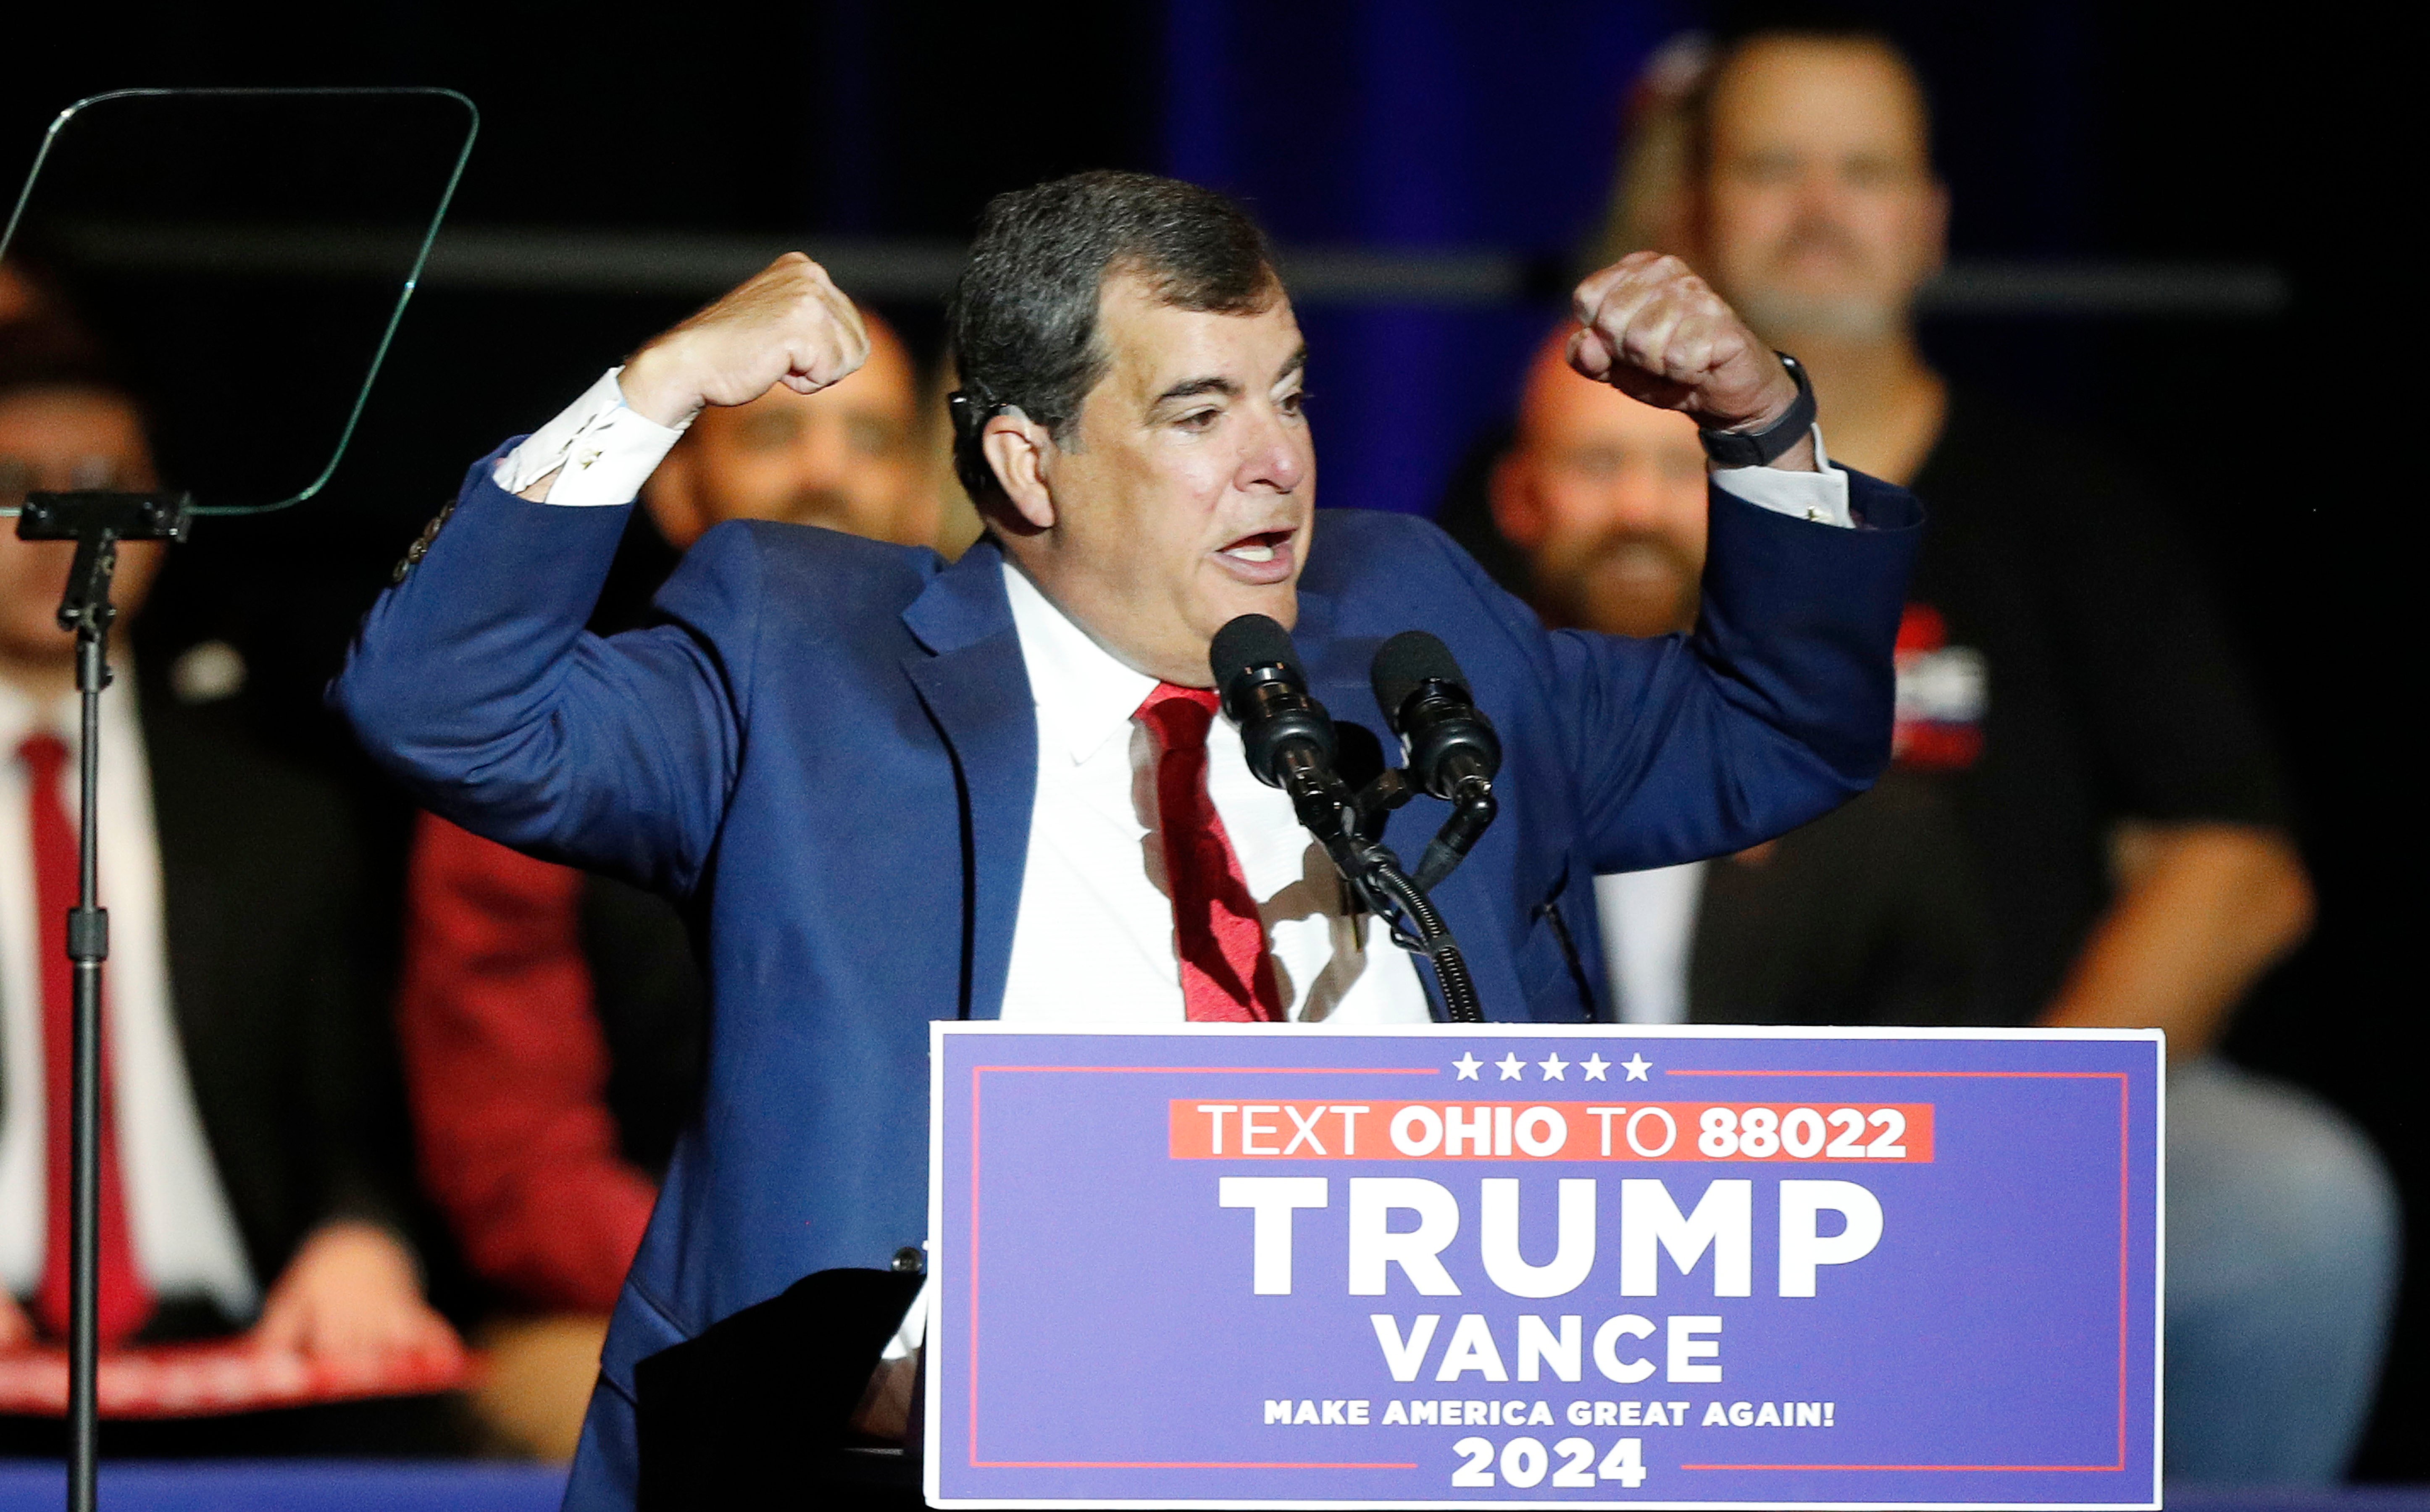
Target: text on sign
1791,1132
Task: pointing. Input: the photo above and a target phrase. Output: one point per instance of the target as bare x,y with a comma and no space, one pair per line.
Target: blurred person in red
246,1189
554,1021
2084,824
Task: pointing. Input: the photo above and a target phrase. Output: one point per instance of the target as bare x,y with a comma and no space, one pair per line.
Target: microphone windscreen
1251,641
1405,663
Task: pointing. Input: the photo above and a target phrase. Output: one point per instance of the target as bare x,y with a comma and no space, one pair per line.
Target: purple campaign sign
1241,1266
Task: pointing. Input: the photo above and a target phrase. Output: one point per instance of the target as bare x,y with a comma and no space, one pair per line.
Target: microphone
1453,750
1426,701
1289,741
1285,733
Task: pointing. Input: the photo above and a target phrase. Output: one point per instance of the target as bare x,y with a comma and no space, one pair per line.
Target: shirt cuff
1822,497
601,450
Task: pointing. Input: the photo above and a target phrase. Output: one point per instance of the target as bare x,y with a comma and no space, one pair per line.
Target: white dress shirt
1092,942
1649,923
183,1232
601,450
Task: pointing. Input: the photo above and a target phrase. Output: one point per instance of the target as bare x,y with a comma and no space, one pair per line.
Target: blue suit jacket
828,751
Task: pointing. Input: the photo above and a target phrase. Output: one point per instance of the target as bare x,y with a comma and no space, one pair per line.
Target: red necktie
1226,974
125,1302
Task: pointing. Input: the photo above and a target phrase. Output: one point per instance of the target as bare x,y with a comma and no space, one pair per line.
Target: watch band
1738,448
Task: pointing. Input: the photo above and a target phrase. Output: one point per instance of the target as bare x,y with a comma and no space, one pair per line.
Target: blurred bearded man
1865,916
845,459
888,790
1605,498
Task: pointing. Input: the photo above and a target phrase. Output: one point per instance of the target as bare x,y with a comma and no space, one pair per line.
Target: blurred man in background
846,459
2085,825
1866,916
246,1186
553,1022
1605,497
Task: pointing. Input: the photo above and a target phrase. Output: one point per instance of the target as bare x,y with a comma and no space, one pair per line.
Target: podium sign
1243,1266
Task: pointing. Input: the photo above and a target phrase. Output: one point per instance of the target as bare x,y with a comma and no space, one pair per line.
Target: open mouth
1264,557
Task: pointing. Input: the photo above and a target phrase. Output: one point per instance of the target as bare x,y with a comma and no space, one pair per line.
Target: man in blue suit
888,790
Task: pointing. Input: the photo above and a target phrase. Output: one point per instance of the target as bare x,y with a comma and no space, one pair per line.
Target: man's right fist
789,325
1651,329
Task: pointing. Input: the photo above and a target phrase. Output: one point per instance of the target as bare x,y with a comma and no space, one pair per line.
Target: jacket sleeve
474,682
1774,711
507,1072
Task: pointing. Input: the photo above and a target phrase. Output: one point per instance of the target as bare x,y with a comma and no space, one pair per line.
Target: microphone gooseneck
1289,741
1433,939
1453,750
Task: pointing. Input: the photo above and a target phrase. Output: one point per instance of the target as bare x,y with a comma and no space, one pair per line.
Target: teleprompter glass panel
239,259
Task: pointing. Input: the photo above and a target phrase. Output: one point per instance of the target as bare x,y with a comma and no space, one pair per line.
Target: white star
1511,1066
1553,1066
1595,1067
1637,1066
1466,1065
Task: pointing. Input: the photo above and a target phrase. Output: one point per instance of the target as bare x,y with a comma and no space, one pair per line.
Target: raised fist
1653,330
789,325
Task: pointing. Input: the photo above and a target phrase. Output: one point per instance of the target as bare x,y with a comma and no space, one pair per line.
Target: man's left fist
1656,332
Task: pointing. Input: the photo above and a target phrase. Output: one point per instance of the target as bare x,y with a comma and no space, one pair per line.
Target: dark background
2284,445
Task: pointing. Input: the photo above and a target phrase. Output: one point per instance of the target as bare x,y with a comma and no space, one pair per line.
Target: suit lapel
1337,669
977,687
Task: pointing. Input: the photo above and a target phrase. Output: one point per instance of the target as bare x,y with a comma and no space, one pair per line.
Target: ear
1517,512
1018,449
671,496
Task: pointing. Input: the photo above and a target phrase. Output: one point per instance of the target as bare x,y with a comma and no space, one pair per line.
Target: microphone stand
96,522
1340,822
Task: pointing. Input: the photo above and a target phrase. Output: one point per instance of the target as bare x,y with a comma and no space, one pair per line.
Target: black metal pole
88,947
96,522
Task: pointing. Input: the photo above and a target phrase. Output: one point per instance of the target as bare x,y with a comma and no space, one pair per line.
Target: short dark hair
1023,320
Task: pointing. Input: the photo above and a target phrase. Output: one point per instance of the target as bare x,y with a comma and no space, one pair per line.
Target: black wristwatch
1738,448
